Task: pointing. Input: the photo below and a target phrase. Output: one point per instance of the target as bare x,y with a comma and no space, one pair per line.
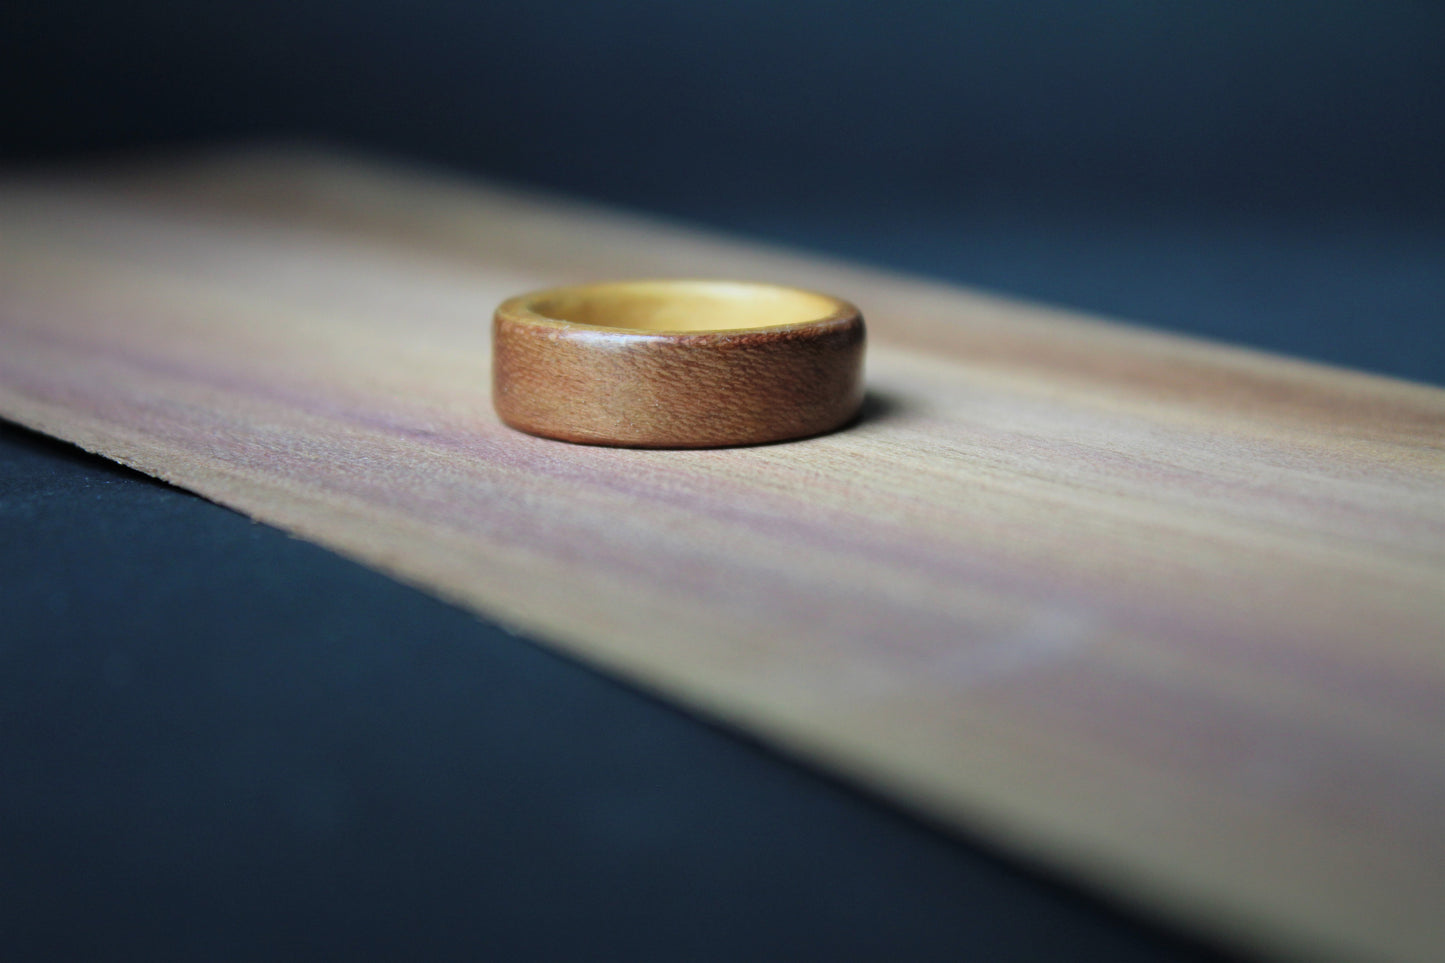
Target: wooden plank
1164,614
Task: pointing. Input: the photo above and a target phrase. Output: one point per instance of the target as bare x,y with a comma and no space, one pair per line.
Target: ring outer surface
631,387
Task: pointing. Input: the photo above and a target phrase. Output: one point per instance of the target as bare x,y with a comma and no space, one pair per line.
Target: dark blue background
217,742
1264,172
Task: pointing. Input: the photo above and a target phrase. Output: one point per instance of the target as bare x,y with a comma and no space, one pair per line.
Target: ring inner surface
684,306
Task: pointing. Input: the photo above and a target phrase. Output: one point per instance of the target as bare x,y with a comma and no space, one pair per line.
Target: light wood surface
1164,615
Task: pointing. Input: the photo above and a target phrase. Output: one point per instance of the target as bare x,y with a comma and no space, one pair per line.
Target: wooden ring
677,364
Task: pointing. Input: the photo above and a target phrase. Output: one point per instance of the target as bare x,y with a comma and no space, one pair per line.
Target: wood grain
619,370
1162,614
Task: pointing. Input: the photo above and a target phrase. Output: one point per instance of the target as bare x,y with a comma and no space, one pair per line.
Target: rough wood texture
788,364
1164,614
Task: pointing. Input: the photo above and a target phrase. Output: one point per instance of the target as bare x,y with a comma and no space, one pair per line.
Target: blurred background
1268,172
218,742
